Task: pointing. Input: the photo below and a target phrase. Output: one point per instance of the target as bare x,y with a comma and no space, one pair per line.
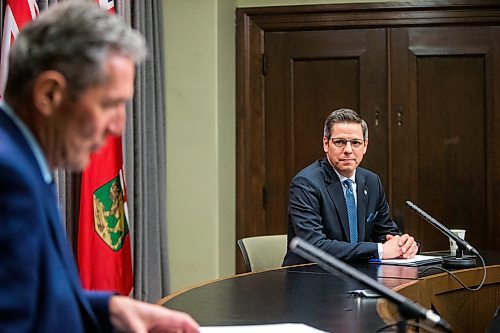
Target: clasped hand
397,246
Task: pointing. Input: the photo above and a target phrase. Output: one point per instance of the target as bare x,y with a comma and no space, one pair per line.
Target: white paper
413,261
274,328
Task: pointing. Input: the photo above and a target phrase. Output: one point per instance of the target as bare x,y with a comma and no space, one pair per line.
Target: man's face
345,159
82,125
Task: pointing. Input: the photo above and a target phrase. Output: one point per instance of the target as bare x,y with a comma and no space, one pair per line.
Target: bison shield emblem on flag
109,217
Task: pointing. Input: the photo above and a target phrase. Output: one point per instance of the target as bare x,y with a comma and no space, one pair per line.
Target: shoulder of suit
313,171
15,159
362,172
310,168
367,177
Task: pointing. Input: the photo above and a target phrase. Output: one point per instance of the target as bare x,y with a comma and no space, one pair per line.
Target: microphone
407,308
462,244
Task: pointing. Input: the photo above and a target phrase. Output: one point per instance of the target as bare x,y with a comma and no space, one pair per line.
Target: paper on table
274,328
415,261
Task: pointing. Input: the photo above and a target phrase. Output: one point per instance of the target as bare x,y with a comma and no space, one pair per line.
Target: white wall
199,52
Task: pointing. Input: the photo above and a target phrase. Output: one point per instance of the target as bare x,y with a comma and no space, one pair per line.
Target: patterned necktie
351,211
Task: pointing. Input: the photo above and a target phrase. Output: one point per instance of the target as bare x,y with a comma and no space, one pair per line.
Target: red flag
104,251
17,14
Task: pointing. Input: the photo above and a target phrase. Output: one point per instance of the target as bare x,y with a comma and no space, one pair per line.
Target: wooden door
445,116
308,75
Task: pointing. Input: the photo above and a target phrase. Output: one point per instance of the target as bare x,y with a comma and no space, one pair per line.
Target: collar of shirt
32,143
342,178
344,187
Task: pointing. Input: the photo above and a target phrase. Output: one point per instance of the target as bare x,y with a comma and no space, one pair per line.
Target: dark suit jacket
39,285
317,213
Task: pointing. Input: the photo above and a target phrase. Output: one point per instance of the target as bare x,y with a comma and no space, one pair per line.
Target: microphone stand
458,261
407,308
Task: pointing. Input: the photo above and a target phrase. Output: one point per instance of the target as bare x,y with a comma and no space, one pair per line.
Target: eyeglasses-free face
345,147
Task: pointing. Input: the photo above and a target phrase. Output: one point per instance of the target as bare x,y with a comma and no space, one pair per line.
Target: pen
374,261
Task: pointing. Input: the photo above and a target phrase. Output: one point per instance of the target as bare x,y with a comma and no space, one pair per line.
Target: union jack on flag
17,14
109,5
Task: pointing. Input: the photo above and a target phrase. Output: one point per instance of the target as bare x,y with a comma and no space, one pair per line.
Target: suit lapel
336,193
362,196
63,251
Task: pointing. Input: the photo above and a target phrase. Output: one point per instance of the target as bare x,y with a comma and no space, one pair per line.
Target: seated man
339,207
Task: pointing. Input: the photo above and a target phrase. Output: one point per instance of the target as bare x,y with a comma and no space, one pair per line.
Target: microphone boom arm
461,243
407,308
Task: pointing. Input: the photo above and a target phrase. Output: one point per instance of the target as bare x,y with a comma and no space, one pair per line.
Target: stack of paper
418,260
274,328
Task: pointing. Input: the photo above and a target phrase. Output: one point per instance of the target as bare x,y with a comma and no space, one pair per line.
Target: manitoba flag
104,255
17,14
104,251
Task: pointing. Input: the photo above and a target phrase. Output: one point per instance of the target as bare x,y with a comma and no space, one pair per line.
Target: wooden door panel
332,83
441,138
452,143
309,75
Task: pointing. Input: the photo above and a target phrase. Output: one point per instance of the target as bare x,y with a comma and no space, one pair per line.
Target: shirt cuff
380,250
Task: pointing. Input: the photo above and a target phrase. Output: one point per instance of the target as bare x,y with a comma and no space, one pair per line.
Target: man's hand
129,315
400,247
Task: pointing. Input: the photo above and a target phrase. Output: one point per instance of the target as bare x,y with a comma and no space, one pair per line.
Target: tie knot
348,183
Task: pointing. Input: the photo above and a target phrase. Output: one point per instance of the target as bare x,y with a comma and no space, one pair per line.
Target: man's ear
48,91
325,144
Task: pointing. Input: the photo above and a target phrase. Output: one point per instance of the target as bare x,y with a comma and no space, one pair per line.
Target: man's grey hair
74,38
344,116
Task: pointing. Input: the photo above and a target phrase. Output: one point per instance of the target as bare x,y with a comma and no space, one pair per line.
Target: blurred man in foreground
71,72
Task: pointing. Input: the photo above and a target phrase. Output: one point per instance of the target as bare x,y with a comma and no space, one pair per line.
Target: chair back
263,252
